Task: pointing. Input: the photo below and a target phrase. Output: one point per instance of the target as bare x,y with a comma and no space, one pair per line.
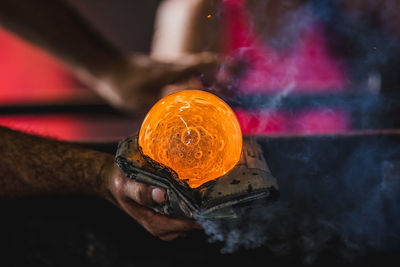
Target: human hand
135,87
136,199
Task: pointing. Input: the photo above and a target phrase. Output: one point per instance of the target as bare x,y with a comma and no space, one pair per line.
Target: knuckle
117,183
155,232
152,227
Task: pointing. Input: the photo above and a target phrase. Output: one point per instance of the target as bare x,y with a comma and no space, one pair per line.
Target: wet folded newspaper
249,183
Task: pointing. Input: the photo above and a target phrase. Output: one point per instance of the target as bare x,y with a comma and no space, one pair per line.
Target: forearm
31,165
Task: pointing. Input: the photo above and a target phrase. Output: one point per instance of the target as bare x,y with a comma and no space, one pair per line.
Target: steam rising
344,200
331,202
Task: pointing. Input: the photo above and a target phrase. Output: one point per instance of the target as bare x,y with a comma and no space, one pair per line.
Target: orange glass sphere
194,133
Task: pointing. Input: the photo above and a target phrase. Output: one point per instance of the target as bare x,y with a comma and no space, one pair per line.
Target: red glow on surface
310,121
53,126
72,127
321,121
259,122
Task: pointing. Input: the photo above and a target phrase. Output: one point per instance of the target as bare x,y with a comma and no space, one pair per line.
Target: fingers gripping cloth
248,182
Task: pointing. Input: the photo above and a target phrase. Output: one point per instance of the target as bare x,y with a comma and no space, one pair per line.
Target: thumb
143,194
158,195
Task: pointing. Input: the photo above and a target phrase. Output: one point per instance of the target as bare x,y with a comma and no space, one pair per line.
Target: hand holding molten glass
194,133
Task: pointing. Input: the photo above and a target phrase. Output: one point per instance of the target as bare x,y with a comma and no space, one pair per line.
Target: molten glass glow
194,133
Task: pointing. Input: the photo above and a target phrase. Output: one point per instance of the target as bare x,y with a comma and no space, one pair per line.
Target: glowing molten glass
194,133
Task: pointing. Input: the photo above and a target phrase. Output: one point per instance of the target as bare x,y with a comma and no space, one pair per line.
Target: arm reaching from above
31,165
132,83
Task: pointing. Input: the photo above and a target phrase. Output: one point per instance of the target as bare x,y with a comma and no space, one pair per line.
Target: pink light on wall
27,73
307,67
